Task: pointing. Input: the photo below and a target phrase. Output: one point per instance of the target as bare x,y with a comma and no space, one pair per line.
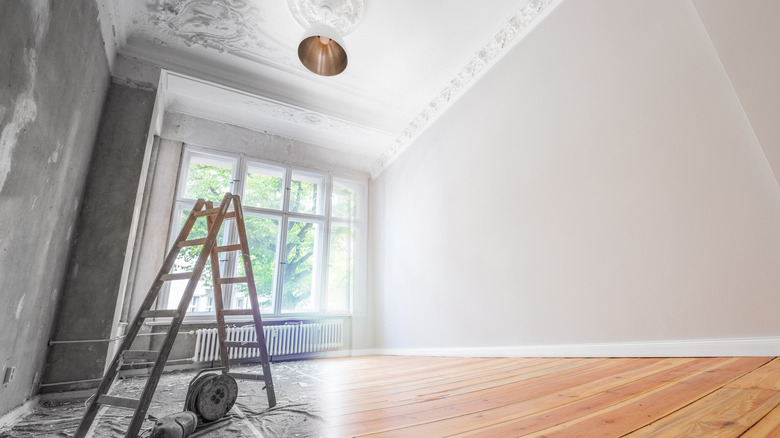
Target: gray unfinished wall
92,285
53,82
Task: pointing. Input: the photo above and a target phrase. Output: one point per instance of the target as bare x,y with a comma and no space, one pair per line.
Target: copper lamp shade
322,51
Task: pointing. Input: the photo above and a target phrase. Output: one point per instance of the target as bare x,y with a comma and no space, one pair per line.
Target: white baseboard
765,346
19,412
367,352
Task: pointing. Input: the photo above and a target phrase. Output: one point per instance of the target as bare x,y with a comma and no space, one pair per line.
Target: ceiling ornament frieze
513,27
228,26
303,117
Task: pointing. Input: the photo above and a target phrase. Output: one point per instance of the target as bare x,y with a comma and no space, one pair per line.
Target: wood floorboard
391,417
446,388
389,396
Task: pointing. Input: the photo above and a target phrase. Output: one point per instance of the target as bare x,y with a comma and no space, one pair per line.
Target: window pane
208,177
343,201
263,239
264,187
341,268
306,193
300,272
203,297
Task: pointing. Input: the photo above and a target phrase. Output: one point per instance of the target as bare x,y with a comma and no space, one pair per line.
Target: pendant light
322,50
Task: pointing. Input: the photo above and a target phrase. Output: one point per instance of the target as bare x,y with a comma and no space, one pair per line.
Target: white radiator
280,340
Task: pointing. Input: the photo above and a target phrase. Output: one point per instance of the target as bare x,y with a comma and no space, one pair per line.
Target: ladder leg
258,322
140,406
218,303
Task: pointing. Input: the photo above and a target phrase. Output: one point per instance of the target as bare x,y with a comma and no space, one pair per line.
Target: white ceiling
237,62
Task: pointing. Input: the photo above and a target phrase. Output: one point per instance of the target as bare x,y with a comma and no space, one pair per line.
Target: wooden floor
394,396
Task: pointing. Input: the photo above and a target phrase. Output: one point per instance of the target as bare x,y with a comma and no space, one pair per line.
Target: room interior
534,179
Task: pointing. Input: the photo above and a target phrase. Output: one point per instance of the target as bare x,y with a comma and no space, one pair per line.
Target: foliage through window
303,229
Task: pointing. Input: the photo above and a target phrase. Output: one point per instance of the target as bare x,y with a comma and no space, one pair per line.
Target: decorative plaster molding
228,26
305,118
514,26
342,15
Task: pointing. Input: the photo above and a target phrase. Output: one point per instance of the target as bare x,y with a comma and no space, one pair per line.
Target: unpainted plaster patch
75,122
19,307
42,16
54,155
25,111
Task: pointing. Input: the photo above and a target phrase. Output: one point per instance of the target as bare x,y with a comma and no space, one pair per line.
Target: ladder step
232,344
207,212
193,242
213,211
120,402
172,313
243,312
231,280
236,247
130,355
176,276
247,376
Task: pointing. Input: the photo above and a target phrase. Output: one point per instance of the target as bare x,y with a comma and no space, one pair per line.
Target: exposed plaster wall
53,81
601,184
89,301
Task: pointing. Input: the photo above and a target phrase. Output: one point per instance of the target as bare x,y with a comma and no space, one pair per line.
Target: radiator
280,340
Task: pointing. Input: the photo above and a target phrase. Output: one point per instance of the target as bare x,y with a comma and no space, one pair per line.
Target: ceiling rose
341,15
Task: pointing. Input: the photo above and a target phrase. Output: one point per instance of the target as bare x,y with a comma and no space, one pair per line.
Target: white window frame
319,292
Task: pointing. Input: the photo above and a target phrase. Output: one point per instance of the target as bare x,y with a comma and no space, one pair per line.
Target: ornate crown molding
342,15
303,117
514,26
228,26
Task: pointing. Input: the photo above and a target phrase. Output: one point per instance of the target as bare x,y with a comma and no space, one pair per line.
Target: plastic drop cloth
296,414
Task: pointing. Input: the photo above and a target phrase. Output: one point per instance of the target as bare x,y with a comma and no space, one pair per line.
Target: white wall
601,184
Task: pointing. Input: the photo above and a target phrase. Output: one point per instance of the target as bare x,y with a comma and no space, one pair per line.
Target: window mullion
325,256
283,243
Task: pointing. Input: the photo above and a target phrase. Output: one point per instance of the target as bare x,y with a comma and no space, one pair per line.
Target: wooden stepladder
210,249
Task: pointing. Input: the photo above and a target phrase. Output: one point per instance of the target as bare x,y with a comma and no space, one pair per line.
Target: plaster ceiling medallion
341,15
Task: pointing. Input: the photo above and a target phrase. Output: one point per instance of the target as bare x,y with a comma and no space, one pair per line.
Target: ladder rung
176,276
172,313
213,211
145,355
231,344
120,402
229,312
193,242
247,376
236,247
207,212
231,280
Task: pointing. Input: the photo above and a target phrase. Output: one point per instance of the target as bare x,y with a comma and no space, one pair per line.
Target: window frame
243,163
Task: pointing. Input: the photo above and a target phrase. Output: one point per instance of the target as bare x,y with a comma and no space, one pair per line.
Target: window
304,229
